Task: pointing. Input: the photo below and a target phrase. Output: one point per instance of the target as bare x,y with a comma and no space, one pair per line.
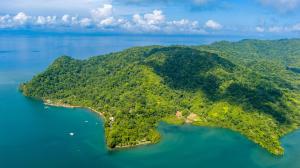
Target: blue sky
204,17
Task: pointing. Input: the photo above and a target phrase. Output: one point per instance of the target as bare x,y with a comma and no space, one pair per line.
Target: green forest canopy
250,86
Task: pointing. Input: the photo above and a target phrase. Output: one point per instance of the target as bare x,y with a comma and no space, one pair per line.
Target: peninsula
250,86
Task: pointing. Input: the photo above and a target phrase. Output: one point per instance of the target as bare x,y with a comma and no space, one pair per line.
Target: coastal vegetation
250,86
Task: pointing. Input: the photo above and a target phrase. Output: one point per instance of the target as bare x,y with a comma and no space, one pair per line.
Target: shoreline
118,147
190,120
48,102
57,104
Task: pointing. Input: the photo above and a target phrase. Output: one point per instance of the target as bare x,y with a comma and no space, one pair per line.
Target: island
250,86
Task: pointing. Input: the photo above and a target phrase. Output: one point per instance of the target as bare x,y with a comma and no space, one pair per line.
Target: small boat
71,134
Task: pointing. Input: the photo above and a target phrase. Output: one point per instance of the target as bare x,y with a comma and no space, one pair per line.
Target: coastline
118,147
58,104
192,119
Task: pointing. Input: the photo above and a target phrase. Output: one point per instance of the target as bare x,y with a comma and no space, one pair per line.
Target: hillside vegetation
250,86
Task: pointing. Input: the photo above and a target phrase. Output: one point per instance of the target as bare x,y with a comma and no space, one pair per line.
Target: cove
33,135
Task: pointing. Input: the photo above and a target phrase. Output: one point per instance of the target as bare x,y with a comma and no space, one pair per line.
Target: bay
33,135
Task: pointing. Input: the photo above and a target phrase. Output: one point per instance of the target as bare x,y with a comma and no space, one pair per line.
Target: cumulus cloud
41,20
211,24
65,18
108,21
45,20
104,19
102,13
21,18
282,5
85,22
5,21
149,21
156,21
154,18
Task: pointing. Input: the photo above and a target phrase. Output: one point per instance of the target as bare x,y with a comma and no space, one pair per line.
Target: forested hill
249,86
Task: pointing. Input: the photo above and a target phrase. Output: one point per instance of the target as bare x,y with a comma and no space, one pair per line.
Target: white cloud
21,18
156,17
282,5
5,21
85,22
108,21
104,19
65,18
138,19
41,20
68,20
184,26
260,29
156,22
150,22
51,19
74,20
45,20
184,22
211,24
102,13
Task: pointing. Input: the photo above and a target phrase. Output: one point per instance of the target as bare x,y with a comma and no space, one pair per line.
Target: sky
192,17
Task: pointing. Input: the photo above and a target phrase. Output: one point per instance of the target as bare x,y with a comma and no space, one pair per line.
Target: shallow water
33,135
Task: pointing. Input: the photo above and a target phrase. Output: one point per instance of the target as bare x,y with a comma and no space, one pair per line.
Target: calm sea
35,136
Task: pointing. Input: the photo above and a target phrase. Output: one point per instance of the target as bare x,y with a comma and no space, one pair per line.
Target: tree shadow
262,98
189,69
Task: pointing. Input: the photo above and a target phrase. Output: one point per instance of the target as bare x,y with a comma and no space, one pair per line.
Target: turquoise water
33,135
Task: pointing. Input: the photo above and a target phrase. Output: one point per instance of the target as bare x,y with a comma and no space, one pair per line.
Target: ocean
33,135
